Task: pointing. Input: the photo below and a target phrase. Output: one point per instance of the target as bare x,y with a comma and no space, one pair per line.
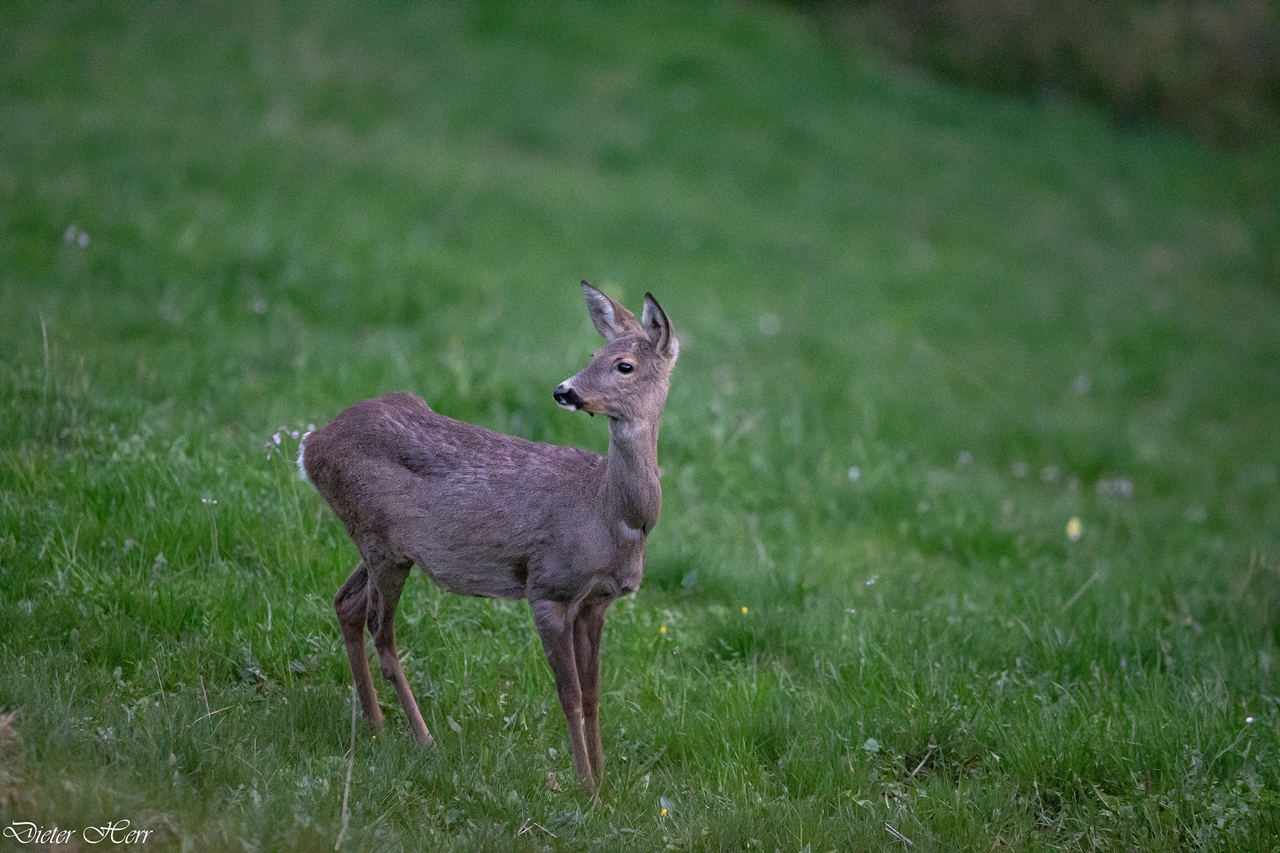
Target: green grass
987,308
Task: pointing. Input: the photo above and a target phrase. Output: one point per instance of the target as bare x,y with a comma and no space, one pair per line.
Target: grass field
923,330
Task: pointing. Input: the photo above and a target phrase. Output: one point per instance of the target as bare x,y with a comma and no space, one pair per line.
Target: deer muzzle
567,398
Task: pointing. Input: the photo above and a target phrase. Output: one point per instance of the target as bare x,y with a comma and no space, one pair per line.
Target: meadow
971,523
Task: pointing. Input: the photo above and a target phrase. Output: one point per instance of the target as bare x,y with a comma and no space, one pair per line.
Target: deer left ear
658,329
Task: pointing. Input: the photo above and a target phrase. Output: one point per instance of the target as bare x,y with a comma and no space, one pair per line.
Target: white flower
1122,486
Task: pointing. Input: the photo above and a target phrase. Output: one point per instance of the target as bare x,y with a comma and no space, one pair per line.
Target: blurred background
271,211
223,219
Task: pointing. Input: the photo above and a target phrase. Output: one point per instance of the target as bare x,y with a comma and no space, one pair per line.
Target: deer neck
633,495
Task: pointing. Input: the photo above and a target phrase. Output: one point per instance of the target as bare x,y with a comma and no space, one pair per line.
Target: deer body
493,515
480,512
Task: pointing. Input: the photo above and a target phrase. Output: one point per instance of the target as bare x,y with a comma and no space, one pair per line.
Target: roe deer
492,515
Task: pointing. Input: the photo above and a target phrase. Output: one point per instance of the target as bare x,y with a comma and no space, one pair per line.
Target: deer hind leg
350,604
586,640
387,582
556,630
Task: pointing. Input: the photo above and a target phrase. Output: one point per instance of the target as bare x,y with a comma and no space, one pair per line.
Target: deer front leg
388,583
350,604
586,641
555,627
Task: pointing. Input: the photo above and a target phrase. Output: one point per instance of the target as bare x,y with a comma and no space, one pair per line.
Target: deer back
480,512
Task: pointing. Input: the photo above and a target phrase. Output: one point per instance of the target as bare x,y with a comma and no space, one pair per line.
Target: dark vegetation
1209,68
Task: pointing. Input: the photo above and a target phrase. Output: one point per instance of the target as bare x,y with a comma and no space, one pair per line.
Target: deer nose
567,397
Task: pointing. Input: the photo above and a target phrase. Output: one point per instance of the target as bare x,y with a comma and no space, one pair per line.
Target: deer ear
658,329
610,319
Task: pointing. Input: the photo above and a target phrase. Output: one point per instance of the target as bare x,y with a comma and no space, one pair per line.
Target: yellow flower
744,610
664,813
662,630
1074,529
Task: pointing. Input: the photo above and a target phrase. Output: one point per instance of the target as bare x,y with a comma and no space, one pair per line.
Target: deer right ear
610,319
658,329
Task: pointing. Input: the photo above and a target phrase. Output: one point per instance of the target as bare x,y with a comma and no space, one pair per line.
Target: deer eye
625,367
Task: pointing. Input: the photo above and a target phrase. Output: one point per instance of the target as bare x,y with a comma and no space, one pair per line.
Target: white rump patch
302,452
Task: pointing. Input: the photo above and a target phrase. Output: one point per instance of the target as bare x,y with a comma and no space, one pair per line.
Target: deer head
628,378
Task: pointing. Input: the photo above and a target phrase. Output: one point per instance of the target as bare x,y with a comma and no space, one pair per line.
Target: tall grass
923,330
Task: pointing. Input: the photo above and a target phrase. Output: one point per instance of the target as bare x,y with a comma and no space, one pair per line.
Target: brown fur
493,515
